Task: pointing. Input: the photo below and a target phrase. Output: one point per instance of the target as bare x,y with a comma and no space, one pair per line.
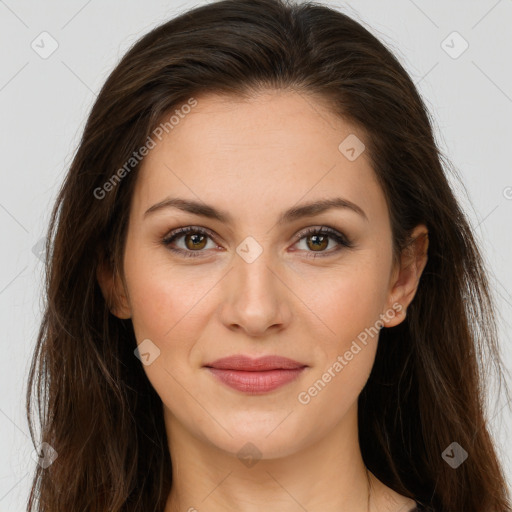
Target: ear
112,288
406,276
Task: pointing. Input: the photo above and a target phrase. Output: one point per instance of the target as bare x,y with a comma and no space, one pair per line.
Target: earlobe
113,290
398,316
406,281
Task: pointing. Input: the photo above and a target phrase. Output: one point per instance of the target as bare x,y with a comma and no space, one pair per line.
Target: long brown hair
96,407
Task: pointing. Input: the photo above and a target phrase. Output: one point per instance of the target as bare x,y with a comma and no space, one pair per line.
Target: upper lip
249,364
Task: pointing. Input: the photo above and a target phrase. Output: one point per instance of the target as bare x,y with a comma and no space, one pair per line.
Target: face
313,288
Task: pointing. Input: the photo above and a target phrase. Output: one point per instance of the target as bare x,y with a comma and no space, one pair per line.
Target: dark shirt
420,508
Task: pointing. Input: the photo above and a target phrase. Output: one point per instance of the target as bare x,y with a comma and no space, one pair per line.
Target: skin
254,159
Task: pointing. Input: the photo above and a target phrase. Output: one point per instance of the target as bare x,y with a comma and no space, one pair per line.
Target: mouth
255,376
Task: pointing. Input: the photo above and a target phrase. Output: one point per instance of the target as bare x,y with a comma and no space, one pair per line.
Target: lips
255,376
248,364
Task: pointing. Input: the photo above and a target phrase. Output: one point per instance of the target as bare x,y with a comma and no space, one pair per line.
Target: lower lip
256,382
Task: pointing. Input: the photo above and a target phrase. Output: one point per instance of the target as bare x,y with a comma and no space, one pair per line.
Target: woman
262,293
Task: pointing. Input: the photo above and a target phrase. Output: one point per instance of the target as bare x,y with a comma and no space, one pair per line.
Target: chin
267,439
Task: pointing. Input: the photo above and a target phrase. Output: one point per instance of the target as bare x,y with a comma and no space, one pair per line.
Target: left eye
195,240
317,238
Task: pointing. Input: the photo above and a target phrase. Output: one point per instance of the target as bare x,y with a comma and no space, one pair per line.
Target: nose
256,300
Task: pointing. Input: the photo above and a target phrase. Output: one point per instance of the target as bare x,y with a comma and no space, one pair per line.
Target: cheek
345,299
345,358
164,297
349,301
155,304
166,309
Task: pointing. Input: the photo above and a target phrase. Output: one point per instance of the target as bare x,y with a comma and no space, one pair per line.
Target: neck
325,474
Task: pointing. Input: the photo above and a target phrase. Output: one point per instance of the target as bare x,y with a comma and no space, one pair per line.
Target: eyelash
323,231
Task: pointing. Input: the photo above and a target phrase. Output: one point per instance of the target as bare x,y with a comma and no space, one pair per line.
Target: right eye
195,239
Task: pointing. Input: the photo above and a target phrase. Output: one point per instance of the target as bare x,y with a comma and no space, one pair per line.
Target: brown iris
318,244
196,239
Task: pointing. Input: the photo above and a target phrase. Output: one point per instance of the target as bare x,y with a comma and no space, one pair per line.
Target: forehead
246,155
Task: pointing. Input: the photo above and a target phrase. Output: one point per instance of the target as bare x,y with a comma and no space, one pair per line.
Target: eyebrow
296,212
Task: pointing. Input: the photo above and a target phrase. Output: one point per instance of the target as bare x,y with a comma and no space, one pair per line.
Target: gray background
44,103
